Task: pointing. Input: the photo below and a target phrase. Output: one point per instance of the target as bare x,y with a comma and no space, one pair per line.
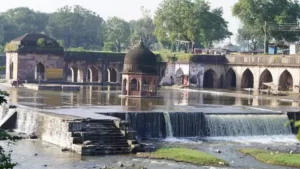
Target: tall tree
76,27
251,38
118,33
18,21
143,28
189,20
254,14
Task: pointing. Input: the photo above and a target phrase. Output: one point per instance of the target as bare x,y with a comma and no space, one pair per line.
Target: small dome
140,60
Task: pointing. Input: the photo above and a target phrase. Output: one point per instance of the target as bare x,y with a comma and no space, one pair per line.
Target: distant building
33,57
140,73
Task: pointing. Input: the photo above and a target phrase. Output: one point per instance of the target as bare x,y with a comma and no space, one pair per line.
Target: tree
254,13
251,38
1,49
76,27
143,28
118,32
189,20
18,21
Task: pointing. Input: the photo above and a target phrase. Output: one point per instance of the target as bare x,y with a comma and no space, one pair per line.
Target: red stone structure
140,75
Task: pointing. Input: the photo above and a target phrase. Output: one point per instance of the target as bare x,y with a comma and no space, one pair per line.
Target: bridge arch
179,76
286,81
230,78
93,74
112,75
74,73
209,80
247,79
265,77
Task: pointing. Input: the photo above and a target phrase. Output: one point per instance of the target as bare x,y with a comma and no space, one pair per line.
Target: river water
227,132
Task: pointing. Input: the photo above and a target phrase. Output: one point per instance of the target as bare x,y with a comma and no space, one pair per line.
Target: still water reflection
109,96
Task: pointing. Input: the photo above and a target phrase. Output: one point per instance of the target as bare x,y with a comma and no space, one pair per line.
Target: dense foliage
76,27
279,15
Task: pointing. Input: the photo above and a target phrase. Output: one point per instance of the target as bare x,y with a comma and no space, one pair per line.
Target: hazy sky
127,9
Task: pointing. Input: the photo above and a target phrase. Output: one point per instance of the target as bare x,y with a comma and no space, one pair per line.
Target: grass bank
283,159
185,155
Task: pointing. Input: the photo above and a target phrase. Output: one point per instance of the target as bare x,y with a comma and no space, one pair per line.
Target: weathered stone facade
24,66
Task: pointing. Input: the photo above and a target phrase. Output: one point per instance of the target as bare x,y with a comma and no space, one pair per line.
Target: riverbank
184,155
276,158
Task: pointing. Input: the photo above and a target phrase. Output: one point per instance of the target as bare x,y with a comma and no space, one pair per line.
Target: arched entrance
230,80
80,75
93,74
247,79
209,77
40,71
111,75
134,85
74,73
11,70
179,77
286,81
265,77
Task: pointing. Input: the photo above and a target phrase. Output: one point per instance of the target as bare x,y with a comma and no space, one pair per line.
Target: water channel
201,118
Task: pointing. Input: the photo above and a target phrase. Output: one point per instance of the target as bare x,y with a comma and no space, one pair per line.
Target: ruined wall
27,64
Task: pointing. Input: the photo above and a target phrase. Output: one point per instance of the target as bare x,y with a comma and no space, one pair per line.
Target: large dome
140,60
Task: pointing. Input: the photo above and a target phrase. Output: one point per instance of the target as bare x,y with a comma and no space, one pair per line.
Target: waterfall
169,129
26,122
247,125
196,124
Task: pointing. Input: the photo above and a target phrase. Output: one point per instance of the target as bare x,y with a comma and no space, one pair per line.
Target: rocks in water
17,138
122,165
268,148
221,163
218,151
45,165
35,154
64,149
147,147
291,152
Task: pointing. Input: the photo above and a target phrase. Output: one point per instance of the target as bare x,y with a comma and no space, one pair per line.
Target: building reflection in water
141,104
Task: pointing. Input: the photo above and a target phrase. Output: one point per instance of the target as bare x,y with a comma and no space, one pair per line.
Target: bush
1,49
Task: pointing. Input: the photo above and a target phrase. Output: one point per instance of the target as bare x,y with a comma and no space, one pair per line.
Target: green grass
188,156
283,159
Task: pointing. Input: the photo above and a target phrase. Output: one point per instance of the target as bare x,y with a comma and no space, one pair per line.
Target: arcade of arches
286,81
111,75
230,79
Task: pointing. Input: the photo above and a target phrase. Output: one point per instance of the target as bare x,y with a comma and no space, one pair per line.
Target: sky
126,9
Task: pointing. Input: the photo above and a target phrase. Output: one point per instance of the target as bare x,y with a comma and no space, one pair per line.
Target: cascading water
169,128
247,125
197,124
26,122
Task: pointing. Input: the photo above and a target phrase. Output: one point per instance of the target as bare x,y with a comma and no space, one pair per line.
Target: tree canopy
276,13
188,20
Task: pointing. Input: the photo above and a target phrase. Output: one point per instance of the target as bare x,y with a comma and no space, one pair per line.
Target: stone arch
179,76
286,81
11,70
265,77
134,85
222,81
209,80
93,74
40,70
80,75
112,75
230,78
74,73
247,79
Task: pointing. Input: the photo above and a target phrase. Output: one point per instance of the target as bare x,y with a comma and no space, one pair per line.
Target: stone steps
101,137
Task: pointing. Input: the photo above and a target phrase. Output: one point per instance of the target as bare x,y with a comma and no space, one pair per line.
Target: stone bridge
237,71
95,67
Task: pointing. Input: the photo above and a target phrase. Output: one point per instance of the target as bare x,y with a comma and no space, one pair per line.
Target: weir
197,124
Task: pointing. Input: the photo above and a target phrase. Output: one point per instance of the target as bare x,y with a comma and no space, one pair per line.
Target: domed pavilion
140,75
